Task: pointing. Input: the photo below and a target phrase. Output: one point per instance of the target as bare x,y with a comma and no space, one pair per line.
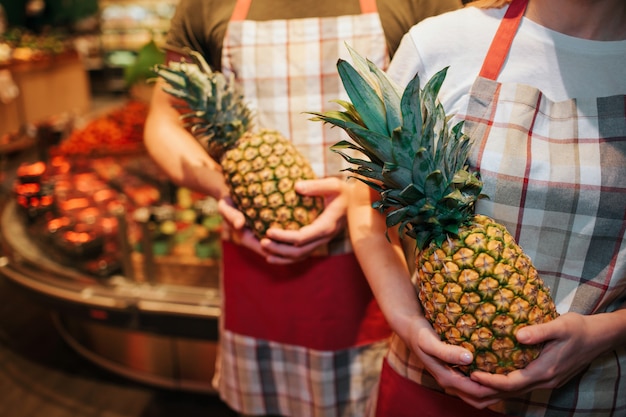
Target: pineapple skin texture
478,289
261,170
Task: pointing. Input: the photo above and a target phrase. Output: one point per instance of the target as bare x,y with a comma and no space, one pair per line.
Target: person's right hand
439,359
234,224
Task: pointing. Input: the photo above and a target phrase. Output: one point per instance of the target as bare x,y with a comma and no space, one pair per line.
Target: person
540,86
301,334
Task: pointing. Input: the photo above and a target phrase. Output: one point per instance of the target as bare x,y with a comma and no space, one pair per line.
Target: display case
155,332
127,262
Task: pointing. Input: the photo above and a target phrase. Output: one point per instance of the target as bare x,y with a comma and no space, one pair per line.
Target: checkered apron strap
288,67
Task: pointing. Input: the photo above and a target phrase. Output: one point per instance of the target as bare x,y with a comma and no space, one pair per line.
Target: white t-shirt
561,66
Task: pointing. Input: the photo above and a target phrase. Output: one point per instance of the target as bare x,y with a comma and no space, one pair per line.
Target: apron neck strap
499,49
242,6
241,10
368,6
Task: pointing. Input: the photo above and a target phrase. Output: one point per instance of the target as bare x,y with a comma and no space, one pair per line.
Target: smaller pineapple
475,284
260,167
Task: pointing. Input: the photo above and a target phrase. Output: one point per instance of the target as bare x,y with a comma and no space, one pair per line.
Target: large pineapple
260,166
475,284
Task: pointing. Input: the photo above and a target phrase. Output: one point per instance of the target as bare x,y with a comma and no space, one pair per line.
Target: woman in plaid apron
301,334
548,116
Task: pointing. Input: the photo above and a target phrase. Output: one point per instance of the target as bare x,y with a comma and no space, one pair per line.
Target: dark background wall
56,12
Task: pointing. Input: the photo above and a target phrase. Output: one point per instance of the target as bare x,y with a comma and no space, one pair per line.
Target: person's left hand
288,246
572,342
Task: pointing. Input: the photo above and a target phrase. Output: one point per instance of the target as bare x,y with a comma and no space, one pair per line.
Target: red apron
399,396
420,401
323,303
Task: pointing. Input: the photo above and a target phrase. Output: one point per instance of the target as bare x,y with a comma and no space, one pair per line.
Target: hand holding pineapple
280,246
260,166
217,115
388,273
285,246
475,285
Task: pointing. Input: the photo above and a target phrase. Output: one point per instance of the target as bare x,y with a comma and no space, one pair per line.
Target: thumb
230,214
432,345
321,186
537,333
457,355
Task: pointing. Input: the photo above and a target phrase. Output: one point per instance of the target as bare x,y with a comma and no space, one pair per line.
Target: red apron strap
241,10
322,303
400,397
499,49
368,6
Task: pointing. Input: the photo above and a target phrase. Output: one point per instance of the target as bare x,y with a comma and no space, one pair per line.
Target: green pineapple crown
416,161
214,110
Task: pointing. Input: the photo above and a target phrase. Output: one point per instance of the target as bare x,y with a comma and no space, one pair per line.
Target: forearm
383,262
609,329
175,150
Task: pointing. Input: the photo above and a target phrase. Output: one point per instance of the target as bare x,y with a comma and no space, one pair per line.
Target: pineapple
260,166
475,284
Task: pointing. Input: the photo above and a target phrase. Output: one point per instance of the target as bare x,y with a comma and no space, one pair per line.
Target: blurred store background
109,298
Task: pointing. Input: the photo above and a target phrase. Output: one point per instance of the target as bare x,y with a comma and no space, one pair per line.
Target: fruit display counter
127,263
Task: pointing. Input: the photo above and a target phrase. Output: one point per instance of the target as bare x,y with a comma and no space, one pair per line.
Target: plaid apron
288,67
555,173
307,339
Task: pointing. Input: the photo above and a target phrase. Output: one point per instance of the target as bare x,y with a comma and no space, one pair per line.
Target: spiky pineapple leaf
366,168
362,65
213,109
350,111
345,116
374,143
411,108
391,97
395,217
395,176
417,162
403,149
365,99
435,185
411,193
423,162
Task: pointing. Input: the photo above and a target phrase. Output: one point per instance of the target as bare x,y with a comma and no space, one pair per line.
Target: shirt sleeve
188,29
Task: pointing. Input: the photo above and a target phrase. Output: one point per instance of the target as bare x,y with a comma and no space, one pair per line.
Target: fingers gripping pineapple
260,167
475,284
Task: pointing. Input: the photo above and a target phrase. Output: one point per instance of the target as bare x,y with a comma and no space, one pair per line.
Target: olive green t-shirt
201,24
